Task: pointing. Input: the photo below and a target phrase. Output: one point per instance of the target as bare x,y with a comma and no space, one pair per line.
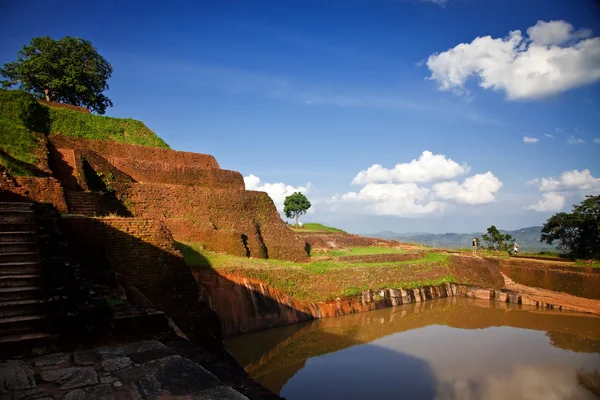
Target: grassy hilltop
24,121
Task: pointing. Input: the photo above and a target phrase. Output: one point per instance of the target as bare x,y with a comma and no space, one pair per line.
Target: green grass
21,116
584,264
89,126
313,226
362,251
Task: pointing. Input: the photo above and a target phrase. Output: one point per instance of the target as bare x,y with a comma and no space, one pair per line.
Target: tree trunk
297,216
46,91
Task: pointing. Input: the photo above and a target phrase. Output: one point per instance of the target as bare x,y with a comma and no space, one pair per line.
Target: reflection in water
451,348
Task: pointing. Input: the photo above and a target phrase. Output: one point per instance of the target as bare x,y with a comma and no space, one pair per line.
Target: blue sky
304,95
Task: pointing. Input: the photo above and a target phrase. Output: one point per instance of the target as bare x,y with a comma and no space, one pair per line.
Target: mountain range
528,238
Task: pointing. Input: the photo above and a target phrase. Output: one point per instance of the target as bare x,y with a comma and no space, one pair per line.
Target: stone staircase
22,301
89,204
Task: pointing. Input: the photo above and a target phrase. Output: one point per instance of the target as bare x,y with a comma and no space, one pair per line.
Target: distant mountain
528,238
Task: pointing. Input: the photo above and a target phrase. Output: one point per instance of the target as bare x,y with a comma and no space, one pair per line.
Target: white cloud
397,199
276,191
548,135
527,139
575,140
550,201
552,59
428,167
438,2
554,190
596,140
476,189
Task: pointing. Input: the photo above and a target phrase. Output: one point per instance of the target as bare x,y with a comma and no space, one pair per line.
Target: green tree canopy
295,205
68,70
496,240
578,232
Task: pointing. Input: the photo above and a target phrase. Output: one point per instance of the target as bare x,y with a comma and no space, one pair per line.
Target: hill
25,123
528,238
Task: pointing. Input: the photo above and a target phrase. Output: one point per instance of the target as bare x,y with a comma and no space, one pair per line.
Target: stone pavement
142,370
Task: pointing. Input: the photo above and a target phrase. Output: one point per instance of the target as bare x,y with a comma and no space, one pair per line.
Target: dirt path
557,299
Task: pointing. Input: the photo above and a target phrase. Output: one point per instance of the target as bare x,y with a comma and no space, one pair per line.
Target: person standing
516,249
474,247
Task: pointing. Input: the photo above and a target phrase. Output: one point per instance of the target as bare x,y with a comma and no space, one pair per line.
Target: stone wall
41,190
142,252
244,223
109,149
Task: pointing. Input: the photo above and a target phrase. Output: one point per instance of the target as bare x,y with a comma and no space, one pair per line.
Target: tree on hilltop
68,70
295,205
496,240
578,232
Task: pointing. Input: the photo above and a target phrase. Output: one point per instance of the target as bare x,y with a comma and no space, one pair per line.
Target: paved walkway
143,370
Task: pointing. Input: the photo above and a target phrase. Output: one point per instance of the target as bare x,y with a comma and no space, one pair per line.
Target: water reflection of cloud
523,382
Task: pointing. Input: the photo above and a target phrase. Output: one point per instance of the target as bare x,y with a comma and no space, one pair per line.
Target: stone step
22,307
20,293
17,236
22,324
18,268
7,207
14,216
12,281
19,257
17,247
22,344
17,226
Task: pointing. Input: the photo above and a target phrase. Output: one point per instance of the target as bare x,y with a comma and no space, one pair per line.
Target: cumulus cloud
398,199
402,190
548,135
554,190
427,168
551,58
550,201
596,140
476,189
276,191
527,139
575,140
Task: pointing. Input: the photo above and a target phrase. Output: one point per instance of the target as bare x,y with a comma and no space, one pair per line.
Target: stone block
181,376
99,392
51,360
85,357
128,349
15,376
71,378
114,364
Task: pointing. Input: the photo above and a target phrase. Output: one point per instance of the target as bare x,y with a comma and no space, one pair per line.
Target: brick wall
41,190
142,251
109,149
222,219
176,173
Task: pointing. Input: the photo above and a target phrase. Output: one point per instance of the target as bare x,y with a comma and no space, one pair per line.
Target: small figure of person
516,249
474,247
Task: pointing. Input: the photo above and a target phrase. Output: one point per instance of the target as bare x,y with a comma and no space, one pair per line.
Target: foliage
313,226
496,240
68,70
83,125
295,205
578,232
20,116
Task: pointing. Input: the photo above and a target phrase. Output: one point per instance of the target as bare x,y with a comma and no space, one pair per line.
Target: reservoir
449,348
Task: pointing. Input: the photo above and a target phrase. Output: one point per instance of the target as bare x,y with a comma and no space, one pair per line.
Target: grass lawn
313,226
322,280
359,251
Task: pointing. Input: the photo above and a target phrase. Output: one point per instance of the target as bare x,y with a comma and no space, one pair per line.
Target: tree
295,205
578,232
68,70
496,240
